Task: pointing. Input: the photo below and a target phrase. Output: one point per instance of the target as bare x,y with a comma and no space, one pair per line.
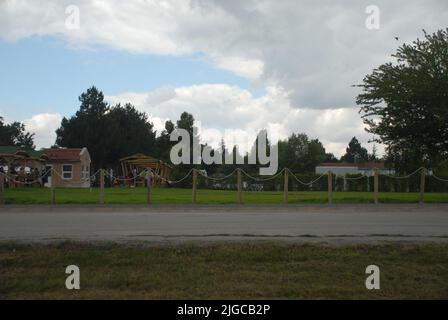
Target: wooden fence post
101,186
53,189
375,186
422,185
240,186
330,187
2,189
285,187
148,187
195,182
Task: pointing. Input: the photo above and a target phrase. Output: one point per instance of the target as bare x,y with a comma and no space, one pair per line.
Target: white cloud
231,111
306,55
44,126
251,69
315,51
223,108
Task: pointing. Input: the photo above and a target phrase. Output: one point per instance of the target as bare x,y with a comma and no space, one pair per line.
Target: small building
71,167
344,168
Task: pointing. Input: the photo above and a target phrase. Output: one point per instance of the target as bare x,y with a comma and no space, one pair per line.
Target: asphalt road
363,223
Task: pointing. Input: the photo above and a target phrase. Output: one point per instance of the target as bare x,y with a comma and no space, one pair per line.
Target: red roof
371,165
338,164
71,154
365,165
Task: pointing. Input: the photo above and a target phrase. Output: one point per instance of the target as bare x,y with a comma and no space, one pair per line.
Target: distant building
366,168
71,166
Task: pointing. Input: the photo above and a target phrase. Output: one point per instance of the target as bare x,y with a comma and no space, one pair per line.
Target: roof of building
67,154
143,160
371,165
19,151
360,166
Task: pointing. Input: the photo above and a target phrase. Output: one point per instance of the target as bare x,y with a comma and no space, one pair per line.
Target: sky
241,66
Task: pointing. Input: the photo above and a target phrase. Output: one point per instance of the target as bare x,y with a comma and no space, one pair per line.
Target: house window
67,171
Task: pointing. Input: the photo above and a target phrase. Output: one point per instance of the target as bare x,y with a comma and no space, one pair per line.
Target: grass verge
256,270
183,196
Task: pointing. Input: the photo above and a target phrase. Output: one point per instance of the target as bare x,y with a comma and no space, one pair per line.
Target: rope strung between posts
44,175
93,176
404,177
261,180
107,174
437,178
306,183
143,174
218,179
171,181
38,180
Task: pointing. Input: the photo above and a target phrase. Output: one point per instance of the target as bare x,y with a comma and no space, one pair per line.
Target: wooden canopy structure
138,163
15,156
18,158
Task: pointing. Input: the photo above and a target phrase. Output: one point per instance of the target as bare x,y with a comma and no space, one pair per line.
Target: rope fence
238,176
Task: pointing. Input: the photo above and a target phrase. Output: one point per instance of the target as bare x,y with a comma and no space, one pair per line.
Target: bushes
354,183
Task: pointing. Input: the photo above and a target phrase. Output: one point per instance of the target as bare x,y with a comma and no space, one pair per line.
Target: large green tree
300,154
163,142
109,133
88,127
130,132
405,102
355,152
186,122
14,134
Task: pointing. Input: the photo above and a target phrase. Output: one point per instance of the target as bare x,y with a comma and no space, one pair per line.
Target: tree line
403,103
114,132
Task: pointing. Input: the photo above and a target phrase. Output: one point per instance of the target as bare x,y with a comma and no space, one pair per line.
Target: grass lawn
181,196
260,270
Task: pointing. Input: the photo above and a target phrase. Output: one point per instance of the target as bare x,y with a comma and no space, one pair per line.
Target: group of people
132,180
22,177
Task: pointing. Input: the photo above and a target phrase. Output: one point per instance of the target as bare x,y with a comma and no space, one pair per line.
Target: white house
366,168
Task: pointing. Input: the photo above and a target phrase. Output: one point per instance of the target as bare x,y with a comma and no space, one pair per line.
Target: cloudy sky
240,65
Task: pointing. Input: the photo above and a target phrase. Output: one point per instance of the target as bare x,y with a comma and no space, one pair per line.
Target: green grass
183,196
257,270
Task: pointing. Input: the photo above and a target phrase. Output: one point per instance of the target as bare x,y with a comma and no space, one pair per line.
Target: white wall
337,170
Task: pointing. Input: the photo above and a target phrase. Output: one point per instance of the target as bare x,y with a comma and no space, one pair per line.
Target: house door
48,175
